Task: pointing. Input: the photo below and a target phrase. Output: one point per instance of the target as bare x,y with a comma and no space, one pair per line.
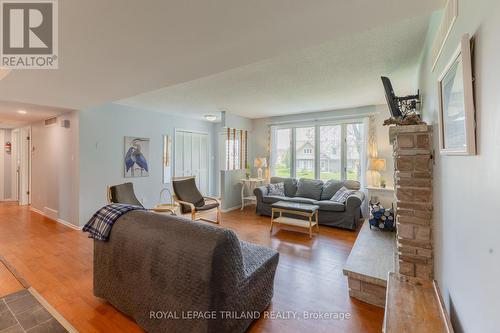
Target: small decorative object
247,174
167,159
383,184
381,218
8,147
456,104
136,159
259,163
375,165
403,109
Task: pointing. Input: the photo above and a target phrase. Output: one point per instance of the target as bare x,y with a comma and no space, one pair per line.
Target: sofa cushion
302,200
331,187
309,188
330,206
342,195
290,185
270,199
277,189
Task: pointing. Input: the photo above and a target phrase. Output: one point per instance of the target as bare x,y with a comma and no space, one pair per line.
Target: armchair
187,195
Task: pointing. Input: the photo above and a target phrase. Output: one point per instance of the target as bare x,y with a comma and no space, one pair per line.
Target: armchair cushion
207,207
186,190
124,194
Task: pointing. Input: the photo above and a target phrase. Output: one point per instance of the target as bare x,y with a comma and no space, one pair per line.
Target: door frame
15,169
25,192
209,155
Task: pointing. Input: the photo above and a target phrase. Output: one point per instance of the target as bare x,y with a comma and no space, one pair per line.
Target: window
318,152
330,138
304,156
235,147
281,155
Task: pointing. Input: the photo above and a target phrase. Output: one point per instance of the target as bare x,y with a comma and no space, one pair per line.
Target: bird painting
136,157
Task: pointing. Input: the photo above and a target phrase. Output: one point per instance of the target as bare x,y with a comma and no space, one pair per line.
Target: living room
246,166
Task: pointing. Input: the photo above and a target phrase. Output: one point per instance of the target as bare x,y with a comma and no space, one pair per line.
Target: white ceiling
114,49
335,75
10,118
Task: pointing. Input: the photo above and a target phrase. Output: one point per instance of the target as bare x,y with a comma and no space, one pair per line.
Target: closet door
195,158
192,158
179,156
204,162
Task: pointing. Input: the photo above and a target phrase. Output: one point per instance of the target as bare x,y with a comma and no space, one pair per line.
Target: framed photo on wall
136,160
457,123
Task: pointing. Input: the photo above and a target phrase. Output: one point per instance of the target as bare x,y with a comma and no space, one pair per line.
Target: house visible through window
341,146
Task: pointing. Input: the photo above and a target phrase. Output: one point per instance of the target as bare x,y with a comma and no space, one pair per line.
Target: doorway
22,176
192,151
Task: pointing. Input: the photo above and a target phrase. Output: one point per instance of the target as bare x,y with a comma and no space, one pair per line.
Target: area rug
27,311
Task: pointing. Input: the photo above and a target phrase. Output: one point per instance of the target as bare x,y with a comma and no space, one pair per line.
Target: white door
192,157
25,166
2,172
15,165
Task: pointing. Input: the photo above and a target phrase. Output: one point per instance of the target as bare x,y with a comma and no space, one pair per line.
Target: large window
318,152
304,152
281,156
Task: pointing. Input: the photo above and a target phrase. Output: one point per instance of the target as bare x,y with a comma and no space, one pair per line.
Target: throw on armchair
319,193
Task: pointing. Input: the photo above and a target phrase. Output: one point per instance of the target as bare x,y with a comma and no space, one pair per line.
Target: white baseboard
8,199
58,220
231,209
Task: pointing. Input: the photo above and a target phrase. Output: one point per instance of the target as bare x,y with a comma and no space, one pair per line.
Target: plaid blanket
99,226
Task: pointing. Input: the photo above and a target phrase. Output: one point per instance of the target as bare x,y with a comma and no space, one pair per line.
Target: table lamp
375,165
259,163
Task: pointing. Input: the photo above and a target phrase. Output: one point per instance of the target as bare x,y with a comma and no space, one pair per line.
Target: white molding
61,221
227,210
8,199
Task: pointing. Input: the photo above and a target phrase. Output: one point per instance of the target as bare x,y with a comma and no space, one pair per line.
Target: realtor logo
29,38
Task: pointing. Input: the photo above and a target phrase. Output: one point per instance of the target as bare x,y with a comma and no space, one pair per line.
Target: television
392,100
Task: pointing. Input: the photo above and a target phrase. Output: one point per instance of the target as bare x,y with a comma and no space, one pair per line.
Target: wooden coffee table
293,208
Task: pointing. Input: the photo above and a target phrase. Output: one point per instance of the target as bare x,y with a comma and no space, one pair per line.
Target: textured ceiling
114,49
10,118
338,74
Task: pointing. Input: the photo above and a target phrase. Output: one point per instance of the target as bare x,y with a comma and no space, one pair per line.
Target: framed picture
457,134
167,159
136,160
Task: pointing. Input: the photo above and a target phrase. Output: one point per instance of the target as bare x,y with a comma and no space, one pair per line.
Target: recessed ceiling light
22,111
210,117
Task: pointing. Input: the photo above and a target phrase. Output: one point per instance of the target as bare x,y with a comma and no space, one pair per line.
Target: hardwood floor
57,262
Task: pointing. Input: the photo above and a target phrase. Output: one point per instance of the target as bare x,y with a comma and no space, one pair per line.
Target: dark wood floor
57,262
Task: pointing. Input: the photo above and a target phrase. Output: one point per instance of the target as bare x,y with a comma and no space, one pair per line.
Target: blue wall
102,132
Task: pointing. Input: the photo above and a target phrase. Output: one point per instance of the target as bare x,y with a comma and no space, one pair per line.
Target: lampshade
376,164
260,162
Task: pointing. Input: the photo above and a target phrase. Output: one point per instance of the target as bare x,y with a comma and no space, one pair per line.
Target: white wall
466,188
55,169
102,132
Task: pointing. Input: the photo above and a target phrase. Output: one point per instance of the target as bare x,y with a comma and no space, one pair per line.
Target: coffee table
293,208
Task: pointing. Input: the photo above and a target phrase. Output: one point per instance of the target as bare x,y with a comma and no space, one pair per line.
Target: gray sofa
319,193
155,266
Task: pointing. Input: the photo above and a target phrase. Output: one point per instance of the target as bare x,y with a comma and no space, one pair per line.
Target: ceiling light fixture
210,117
22,111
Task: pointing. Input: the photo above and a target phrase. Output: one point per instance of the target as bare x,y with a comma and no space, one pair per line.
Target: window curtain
236,149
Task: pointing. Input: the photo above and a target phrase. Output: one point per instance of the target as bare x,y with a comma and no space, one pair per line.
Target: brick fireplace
413,183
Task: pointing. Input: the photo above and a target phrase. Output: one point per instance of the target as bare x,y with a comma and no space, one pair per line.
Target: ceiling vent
50,121
450,14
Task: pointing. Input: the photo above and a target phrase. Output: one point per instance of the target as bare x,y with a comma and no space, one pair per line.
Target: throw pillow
309,188
331,187
342,194
277,189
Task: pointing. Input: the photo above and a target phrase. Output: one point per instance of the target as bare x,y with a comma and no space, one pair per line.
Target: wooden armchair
187,195
123,194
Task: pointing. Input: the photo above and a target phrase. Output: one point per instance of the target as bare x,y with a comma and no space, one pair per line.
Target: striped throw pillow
342,194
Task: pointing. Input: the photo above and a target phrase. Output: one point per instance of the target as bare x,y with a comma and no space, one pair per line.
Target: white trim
61,221
57,316
7,199
335,120
230,209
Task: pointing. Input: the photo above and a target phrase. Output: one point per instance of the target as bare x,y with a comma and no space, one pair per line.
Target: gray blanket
162,270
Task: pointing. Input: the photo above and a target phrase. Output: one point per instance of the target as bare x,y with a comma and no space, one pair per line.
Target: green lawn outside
285,172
